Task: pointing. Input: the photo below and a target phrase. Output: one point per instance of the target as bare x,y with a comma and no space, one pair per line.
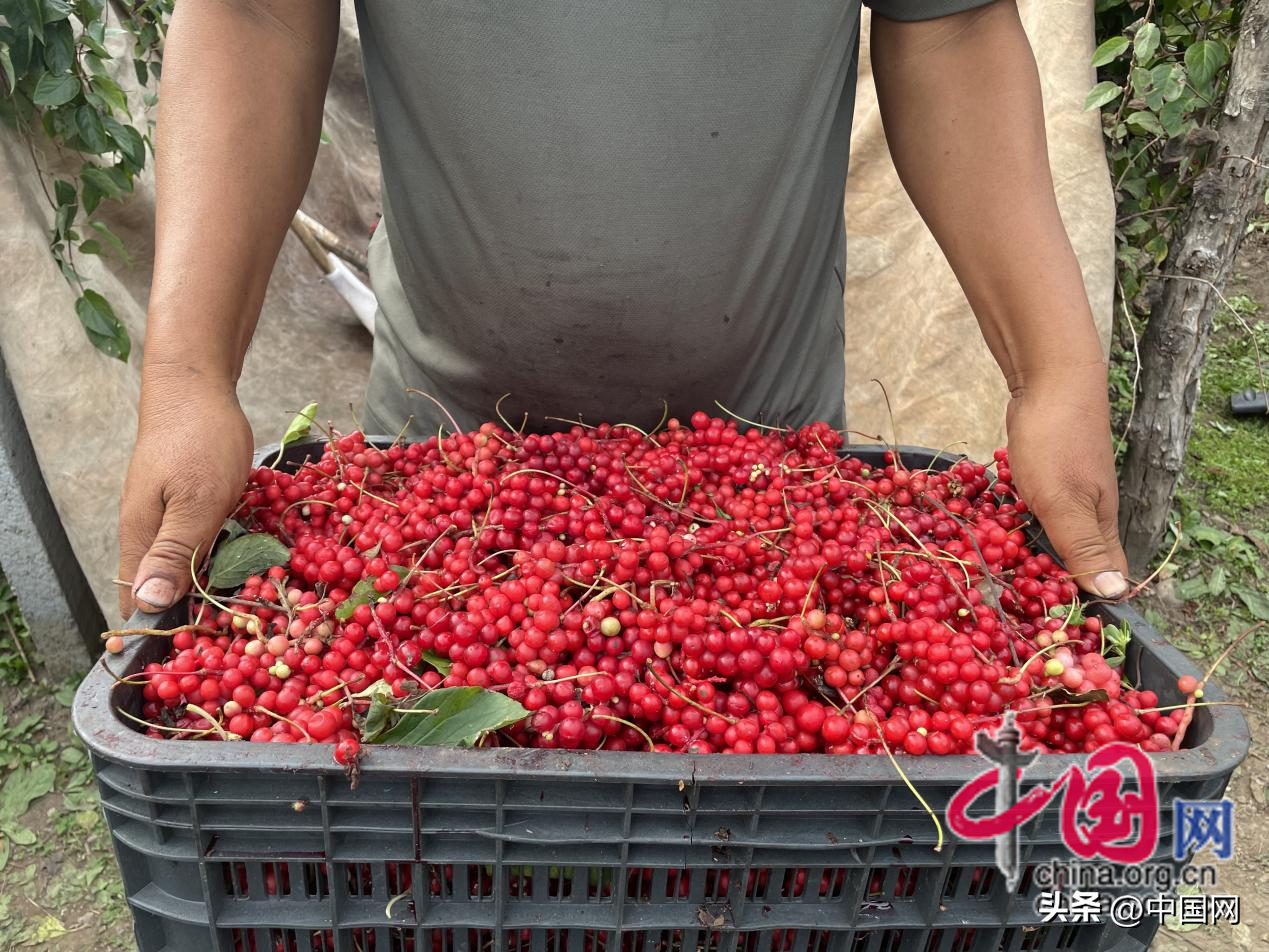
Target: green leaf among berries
247,555
299,428
444,717
381,703
1071,614
1115,643
438,661
365,593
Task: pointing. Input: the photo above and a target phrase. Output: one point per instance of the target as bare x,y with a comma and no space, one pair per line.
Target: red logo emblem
1110,806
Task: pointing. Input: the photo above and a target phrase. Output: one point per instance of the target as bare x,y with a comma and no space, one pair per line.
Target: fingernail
157,592
1110,584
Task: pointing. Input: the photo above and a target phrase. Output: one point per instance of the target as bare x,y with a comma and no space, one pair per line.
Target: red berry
347,751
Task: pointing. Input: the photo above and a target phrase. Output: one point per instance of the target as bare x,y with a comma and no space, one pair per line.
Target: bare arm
240,115
960,101
239,121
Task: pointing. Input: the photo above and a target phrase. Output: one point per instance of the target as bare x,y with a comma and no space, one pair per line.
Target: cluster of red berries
698,590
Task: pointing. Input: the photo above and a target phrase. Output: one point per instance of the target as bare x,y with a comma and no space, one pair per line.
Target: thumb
1085,533
163,575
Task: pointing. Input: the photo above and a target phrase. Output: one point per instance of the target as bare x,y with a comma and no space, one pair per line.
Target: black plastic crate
266,848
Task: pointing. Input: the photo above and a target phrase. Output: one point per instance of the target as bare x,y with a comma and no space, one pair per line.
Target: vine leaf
111,239
1072,614
106,331
1110,50
110,92
64,191
6,66
51,11
1145,42
1203,59
381,702
51,91
92,134
59,47
127,139
1101,94
251,554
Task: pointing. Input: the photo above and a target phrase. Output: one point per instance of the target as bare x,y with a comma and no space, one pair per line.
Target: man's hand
190,464
239,124
1063,465
960,99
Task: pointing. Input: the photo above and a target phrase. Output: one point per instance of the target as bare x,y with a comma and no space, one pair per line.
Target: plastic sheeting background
80,406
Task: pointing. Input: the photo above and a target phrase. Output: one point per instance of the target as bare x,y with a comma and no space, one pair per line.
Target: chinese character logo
1200,823
1110,807
1003,751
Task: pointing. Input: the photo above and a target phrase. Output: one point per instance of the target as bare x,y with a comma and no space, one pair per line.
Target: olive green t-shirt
606,207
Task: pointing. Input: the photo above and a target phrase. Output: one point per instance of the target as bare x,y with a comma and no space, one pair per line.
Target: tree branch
1225,195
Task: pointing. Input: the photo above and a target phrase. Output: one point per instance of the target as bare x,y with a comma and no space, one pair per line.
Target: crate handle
154,620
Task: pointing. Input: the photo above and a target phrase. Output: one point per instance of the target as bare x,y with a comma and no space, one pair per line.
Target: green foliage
1226,469
15,648
56,865
57,871
56,58
1219,576
1163,68
1114,646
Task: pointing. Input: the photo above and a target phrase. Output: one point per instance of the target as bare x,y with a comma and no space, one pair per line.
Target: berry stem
1167,560
938,846
687,700
286,720
158,632
216,725
635,727
163,727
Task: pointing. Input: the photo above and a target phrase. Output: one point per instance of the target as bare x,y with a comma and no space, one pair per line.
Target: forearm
239,121
960,101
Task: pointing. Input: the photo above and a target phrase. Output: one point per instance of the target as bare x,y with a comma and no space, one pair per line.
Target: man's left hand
1064,467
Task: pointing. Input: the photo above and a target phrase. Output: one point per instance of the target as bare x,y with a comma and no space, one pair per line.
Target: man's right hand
233,152
188,469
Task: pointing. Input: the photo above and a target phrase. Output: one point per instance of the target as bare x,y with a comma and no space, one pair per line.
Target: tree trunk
1202,255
